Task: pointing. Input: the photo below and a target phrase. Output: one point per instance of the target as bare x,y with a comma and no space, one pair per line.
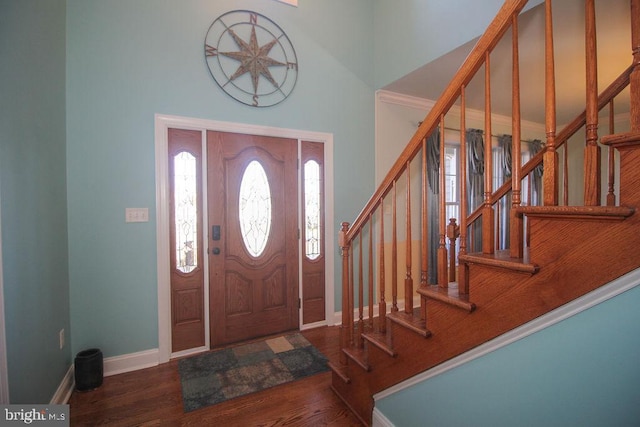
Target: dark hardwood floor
152,397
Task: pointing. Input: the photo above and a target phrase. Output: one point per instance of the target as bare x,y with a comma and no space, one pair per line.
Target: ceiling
614,56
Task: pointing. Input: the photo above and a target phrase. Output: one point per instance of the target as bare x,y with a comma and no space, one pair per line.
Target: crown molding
394,98
418,103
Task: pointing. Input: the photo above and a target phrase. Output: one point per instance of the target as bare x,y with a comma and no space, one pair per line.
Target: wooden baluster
516,238
382,305
463,281
498,233
443,281
592,151
370,275
453,231
550,159
488,215
408,280
351,300
346,320
424,238
529,202
611,196
530,188
360,293
634,79
394,250
565,175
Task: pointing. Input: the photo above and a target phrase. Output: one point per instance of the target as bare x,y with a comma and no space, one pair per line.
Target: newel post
346,326
453,232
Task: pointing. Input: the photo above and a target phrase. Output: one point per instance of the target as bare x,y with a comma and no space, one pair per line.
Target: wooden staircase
556,253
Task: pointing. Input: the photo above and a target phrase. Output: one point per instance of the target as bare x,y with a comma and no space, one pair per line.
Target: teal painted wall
425,30
128,60
33,196
582,371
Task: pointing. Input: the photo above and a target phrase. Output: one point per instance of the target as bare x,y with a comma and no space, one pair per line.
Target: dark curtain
433,197
475,184
504,205
535,147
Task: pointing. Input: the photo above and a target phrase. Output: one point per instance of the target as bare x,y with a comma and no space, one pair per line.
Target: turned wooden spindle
453,232
592,155
346,325
550,177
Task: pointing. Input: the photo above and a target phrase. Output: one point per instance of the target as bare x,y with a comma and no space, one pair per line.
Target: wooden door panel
252,294
238,295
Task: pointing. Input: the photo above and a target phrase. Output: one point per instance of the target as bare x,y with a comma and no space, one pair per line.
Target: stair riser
630,176
555,237
355,394
586,248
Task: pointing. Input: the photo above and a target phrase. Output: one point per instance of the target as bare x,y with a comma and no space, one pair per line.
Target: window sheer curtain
503,175
535,147
475,185
433,199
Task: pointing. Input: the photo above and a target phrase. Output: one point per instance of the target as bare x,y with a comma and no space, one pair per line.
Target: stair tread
621,139
359,356
340,371
501,259
447,295
410,321
606,213
380,340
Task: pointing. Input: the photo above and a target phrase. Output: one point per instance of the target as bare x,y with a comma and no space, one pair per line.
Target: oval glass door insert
255,208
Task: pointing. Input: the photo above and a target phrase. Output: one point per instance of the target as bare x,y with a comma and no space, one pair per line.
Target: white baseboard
111,366
130,362
63,393
379,420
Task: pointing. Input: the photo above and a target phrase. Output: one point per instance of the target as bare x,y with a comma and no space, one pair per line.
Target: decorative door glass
312,209
255,208
186,214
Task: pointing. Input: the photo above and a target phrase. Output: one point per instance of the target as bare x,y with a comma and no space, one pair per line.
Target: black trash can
88,369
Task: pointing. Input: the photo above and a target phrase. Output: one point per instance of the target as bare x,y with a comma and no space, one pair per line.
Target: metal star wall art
242,48
253,59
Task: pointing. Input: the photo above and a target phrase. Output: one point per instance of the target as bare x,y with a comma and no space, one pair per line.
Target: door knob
216,251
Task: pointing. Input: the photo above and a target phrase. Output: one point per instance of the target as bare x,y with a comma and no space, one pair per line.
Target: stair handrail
476,58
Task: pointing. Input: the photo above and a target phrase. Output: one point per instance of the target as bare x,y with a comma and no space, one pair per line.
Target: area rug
214,377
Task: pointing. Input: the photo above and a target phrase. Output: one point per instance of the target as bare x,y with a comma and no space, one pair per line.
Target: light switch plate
136,214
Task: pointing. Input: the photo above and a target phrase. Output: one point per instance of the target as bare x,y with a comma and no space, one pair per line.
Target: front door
252,236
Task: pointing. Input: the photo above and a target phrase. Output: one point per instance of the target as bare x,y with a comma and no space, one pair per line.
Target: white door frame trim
162,124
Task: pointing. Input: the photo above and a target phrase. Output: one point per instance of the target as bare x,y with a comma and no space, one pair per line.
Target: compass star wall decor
251,58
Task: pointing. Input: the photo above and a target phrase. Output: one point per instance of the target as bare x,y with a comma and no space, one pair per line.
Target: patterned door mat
216,376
